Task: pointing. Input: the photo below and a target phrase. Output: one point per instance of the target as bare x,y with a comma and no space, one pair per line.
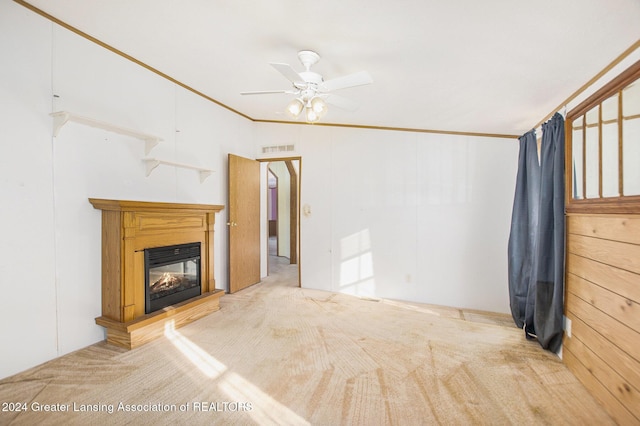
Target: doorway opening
282,214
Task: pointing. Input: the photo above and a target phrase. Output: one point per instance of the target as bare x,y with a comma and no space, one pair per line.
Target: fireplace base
130,335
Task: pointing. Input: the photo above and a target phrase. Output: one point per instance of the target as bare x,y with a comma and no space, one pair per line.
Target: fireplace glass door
172,275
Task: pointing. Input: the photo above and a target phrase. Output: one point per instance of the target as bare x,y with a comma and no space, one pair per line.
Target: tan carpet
277,354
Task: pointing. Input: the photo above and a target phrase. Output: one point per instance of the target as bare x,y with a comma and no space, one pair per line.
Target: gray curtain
522,239
536,242
547,318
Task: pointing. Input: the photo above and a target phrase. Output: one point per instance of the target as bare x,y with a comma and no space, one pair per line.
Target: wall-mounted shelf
60,118
152,163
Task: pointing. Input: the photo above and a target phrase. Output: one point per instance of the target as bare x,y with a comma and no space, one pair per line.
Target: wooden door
244,222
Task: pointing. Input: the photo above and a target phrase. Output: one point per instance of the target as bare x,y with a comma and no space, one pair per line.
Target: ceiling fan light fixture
319,106
312,116
295,107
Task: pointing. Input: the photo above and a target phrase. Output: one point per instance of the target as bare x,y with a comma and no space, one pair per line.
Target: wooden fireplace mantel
129,227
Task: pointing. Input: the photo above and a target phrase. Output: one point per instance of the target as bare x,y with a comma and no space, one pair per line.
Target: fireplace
172,274
141,242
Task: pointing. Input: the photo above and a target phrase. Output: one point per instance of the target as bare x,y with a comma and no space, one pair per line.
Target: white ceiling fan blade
351,80
267,92
288,72
341,102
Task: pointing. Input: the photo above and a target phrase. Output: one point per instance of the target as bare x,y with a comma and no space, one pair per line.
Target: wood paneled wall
602,300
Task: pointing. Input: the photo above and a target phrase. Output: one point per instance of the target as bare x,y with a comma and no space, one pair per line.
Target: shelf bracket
149,144
152,163
204,174
59,120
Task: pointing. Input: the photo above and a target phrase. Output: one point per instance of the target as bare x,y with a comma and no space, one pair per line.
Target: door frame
295,210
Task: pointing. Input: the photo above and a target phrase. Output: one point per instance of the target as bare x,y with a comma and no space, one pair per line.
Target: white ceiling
492,66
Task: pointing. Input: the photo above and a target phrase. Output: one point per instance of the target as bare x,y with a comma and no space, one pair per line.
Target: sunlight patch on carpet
265,410
208,365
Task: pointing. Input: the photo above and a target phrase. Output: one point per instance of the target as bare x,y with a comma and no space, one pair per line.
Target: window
603,148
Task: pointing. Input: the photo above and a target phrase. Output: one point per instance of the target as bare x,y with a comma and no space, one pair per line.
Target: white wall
400,215
28,322
51,279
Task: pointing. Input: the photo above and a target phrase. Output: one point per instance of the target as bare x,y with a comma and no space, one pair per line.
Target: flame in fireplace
167,281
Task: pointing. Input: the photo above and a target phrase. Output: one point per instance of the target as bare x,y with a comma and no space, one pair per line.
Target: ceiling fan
312,92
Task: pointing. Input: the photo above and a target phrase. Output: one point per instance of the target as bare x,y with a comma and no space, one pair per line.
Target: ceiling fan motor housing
309,88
